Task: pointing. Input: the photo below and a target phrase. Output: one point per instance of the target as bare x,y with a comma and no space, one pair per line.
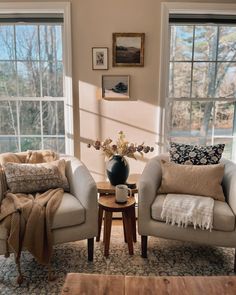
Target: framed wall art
100,58
128,49
115,86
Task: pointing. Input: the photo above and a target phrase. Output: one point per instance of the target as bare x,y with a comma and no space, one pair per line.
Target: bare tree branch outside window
31,87
202,84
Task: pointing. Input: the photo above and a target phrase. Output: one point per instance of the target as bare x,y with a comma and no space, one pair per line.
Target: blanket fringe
51,277
184,221
20,277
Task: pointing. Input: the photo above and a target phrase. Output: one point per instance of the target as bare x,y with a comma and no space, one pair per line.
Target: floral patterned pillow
195,154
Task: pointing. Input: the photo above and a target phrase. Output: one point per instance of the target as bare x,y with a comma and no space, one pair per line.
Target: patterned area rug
164,258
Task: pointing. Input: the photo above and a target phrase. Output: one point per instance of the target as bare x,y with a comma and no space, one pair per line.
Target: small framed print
100,58
128,49
115,87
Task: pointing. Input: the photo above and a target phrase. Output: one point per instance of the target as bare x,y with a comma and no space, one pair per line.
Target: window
201,119
36,109
31,87
202,83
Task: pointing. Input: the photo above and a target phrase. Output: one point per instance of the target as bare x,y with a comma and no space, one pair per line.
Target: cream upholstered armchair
150,204
76,217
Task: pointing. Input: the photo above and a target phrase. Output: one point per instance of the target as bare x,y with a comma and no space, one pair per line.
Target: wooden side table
108,205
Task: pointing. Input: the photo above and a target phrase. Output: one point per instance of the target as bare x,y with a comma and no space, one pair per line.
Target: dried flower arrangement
121,147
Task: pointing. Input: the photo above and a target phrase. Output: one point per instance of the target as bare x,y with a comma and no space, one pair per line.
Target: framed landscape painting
128,49
100,58
115,87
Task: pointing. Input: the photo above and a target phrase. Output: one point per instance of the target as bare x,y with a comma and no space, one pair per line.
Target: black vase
117,170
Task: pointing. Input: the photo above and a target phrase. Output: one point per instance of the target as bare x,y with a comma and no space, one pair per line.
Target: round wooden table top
105,187
108,202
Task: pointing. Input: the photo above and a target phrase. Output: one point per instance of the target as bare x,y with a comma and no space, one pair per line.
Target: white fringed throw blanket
188,209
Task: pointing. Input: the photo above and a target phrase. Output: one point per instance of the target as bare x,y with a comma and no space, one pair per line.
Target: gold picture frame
128,49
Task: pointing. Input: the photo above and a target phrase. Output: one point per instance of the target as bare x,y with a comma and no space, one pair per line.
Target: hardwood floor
121,285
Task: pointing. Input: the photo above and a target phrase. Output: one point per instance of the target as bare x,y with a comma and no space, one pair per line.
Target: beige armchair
76,217
150,207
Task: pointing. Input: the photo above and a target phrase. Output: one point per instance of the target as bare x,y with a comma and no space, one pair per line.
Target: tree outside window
202,85
31,87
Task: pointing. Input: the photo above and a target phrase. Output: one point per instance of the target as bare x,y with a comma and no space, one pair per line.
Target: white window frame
65,9
180,8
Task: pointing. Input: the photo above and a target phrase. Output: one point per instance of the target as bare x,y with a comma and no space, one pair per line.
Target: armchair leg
144,246
90,249
235,261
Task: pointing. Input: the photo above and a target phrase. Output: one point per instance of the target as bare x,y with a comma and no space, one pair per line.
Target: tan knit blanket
28,221
28,218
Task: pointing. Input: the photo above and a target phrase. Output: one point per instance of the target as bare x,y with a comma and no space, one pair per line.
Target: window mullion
17,92
39,63
41,88
18,125
192,60
214,85
191,80
216,63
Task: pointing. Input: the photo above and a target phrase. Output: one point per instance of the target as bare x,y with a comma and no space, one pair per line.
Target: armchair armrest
229,183
82,185
149,183
3,184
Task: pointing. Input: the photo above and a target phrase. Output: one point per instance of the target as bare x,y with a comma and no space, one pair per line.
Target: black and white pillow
195,154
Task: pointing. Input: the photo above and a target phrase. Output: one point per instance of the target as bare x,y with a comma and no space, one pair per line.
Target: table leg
123,220
100,216
133,222
107,231
128,230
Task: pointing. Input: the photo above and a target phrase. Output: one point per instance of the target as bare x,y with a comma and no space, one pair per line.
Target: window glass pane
52,79
7,78
53,118
8,118
31,143
180,118
228,146
181,42
203,79
28,79
8,144
180,78
7,48
186,140
56,144
205,43
201,118
50,42
226,80
227,43
29,113
224,118
27,47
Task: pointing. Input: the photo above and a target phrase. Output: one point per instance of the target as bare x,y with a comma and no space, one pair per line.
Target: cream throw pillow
194,180
32,178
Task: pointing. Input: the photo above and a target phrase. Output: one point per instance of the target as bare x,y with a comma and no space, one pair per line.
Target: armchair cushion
223,217
33,178
69,213
193,180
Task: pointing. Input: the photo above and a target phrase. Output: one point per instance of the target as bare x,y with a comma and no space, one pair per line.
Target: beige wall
93,22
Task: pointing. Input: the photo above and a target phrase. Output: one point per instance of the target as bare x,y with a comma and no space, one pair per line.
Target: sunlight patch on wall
100,119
